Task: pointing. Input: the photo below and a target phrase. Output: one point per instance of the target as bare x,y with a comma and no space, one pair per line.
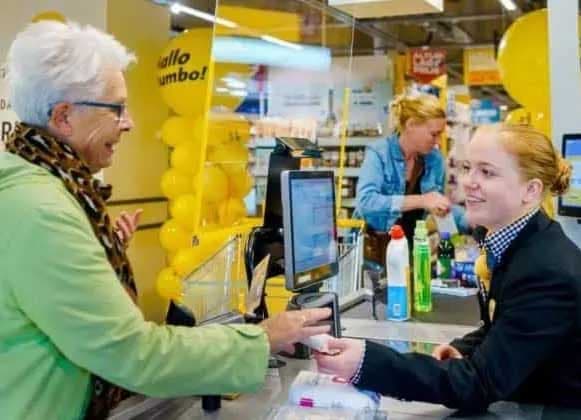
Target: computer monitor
570,203
310,228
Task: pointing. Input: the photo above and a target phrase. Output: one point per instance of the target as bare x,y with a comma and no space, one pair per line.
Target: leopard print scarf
40,148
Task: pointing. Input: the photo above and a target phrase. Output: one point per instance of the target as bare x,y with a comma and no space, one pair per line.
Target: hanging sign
427,63
480,67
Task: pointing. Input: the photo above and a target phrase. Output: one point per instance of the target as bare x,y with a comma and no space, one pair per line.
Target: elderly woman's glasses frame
119,109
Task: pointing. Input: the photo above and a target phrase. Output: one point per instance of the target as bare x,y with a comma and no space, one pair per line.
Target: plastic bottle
422,269
398,267
445,256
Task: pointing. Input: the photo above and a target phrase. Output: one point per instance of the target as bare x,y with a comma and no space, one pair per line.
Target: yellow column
141,158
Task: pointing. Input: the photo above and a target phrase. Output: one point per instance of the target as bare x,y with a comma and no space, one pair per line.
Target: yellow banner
480,66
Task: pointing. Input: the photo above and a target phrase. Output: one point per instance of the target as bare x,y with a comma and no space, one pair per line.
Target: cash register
304,250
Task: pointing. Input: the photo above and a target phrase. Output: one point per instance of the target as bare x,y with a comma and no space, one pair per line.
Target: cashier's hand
287,328
126,225
344,358
446,351
436,203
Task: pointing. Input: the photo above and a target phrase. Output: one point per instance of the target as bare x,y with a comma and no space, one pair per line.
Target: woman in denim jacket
403,176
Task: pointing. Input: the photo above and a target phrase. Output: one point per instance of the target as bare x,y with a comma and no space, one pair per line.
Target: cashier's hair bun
563,178
419,108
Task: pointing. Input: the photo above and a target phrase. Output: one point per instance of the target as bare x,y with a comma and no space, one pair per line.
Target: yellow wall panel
142,158
256,22
147,258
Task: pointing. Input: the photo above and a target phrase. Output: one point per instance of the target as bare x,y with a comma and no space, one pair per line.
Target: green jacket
64,314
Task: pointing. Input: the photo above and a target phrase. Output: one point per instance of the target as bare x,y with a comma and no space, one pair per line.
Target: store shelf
259,172
262,143
351,141
348,172
349,202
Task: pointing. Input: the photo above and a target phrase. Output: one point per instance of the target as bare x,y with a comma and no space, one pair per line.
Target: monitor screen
310,231
570,203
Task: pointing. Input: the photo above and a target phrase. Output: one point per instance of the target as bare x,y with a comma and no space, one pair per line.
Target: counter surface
275,391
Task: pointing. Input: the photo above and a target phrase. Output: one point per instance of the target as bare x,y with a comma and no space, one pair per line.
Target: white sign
8,117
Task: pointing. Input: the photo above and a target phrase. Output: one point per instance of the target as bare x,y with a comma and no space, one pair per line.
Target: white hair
51,62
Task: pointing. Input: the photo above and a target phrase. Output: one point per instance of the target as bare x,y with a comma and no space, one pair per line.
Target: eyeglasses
119,109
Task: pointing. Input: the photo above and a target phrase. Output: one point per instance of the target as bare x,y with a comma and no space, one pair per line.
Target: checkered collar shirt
496,243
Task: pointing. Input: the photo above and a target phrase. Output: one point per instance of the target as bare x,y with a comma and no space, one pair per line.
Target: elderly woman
71,335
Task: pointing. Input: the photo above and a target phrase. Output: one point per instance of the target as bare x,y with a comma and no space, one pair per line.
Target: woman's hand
126,225
436,203
446,351
287,328
344,357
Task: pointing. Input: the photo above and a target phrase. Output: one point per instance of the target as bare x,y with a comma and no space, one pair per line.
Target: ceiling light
239,92
234,83
508,5
247,50
177,8
280,42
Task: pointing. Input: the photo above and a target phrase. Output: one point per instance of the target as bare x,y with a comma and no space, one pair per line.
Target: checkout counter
263,405
290,251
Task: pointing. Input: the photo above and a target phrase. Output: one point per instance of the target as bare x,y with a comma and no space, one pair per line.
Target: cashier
72,338
402,177
528,346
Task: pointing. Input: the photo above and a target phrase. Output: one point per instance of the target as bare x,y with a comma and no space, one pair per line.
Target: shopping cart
219,285
348,284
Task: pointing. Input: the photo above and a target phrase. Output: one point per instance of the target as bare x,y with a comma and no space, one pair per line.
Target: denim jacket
381,186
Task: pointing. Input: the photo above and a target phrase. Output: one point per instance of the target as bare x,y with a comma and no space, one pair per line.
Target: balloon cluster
205,187
523,62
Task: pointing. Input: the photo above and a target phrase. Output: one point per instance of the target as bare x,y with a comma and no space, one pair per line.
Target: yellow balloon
209,215
186,158
240,182
231,211
183,71
168,284
518,116
176,130
183,210
230,156
174,183
215,184
49,15
548,206
523,60
542,122
228,128
211,240
186,260
173,237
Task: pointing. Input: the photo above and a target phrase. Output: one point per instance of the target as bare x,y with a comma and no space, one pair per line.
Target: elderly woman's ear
59,123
